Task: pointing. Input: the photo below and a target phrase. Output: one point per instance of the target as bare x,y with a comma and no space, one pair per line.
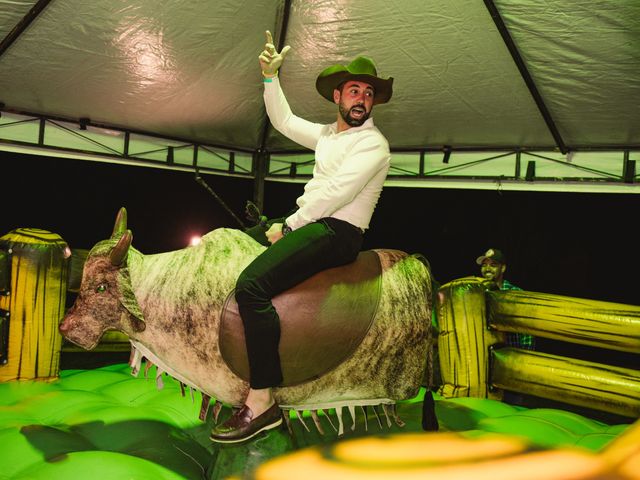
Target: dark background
575,244
578,245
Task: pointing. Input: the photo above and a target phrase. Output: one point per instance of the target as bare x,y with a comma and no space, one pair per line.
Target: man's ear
336,96
503,268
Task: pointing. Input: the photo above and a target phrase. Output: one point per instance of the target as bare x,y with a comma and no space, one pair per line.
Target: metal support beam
22,25
41,129
260,169
531,171
628,169
517,58
280,44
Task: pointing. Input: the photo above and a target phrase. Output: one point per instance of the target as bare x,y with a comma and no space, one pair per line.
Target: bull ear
121,223
119,252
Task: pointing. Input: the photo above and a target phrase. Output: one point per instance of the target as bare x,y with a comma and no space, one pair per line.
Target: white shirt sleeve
282,118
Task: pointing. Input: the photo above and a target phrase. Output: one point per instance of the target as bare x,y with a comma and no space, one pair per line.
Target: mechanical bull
352,336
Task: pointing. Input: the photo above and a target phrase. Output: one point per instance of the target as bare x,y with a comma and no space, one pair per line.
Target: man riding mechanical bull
352,159
305,321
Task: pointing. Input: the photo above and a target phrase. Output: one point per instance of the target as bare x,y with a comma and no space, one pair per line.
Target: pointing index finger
269,37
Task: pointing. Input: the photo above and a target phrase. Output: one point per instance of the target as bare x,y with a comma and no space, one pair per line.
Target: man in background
493,264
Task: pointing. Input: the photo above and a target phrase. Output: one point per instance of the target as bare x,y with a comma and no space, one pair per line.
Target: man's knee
247,289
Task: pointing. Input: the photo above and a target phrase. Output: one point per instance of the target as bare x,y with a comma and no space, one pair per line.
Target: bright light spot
195,240
149,58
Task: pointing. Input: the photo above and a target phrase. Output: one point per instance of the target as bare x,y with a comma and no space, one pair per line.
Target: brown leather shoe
242,426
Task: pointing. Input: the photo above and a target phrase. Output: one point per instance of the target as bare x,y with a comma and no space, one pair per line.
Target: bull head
106,300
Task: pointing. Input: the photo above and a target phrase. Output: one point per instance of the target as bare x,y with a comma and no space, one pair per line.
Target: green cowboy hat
361,69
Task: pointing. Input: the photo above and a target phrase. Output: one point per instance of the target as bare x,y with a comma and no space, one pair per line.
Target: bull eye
101,288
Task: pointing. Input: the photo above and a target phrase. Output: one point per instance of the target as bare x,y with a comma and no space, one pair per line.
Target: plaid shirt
518,340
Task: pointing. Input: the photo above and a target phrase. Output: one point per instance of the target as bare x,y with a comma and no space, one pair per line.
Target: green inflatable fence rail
473,318
577,382
609,325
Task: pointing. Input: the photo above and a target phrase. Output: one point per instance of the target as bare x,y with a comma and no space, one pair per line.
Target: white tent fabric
492,81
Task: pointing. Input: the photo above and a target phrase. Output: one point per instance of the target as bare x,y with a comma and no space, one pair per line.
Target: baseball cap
492,254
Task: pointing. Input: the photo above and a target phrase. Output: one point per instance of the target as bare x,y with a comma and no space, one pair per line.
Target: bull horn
121,223
119,252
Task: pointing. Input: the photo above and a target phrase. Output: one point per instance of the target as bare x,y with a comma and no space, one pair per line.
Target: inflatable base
117,426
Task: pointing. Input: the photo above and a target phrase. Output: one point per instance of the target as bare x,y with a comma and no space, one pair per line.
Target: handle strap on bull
252,213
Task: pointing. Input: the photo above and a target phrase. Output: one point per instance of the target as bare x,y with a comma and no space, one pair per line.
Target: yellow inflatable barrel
33,305
464,339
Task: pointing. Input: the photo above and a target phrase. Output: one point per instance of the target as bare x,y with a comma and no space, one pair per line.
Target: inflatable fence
38,271
474,362
32,301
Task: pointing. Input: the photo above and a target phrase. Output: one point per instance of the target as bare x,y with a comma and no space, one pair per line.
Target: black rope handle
201,181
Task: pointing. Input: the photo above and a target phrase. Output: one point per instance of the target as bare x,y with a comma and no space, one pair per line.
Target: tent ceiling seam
526,76
22,25
281,43
261,156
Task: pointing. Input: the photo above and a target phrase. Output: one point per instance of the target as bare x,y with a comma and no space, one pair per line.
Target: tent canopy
519,92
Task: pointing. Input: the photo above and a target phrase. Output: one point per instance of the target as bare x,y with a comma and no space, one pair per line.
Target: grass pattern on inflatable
119,426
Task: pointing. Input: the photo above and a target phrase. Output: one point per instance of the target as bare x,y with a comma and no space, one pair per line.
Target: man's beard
349,120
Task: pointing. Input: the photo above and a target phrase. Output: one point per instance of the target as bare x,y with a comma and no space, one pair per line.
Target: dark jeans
323,244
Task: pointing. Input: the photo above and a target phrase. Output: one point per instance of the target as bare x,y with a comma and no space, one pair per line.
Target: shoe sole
275,424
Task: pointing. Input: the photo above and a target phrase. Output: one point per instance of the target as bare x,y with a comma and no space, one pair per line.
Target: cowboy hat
361,69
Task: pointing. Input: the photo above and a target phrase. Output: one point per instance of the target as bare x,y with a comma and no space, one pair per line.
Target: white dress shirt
350,166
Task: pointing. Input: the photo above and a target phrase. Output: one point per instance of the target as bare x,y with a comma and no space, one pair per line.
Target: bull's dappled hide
170,304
